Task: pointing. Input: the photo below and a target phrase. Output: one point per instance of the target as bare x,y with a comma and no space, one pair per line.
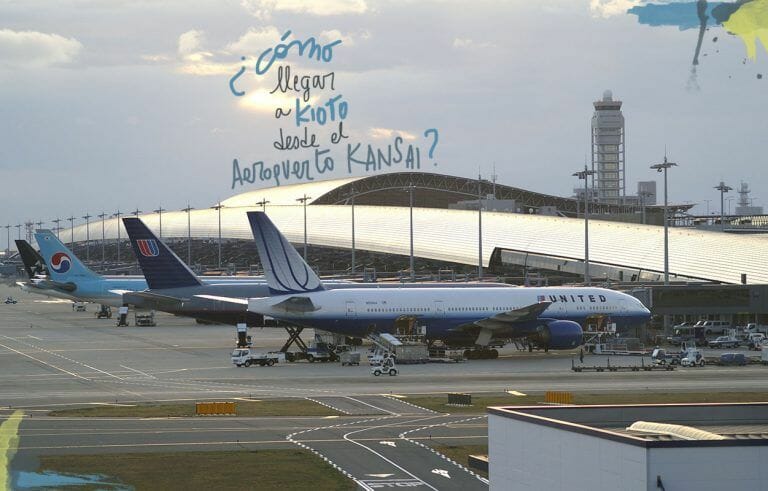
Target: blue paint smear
48,479
682,15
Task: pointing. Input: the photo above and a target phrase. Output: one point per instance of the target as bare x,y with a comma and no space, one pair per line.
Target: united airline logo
148,247
61,263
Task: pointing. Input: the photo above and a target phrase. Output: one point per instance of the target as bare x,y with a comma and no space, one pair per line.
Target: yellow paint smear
750,23
9,442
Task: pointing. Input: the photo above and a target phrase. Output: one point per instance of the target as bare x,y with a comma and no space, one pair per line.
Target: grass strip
261,469
270,407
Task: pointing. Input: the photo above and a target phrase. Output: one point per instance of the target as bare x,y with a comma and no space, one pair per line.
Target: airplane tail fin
285,270
34,264
161,267
62,263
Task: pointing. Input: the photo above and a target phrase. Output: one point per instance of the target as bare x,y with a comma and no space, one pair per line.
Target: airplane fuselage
447,312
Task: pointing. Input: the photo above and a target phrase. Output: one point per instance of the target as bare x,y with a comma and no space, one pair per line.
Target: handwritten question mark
434,143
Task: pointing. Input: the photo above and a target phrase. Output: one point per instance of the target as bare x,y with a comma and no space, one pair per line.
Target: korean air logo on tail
148,247
61,263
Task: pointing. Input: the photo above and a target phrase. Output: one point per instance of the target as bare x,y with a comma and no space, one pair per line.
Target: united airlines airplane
548,317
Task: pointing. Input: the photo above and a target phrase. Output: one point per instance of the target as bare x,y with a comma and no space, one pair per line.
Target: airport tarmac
52,357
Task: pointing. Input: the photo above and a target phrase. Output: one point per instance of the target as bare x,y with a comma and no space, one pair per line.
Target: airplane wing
505,320
239,301
132,297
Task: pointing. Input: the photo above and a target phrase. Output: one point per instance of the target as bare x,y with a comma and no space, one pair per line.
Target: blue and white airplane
548,317
70,278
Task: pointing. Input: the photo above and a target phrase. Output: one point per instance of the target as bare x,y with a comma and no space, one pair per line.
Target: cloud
466,43
263,9
195,60
255,41
348,39
190,42
36,49
388,134
261,100
611,8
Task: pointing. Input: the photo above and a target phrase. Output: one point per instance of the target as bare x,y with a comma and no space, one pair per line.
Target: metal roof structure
553,242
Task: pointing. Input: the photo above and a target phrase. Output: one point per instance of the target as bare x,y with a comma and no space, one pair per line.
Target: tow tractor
387,366
10,301
104,312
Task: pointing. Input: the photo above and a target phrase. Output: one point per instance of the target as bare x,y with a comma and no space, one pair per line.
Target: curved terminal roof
551,242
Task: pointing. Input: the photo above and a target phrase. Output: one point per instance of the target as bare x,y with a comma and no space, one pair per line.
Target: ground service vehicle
754,328
732,359
714,327
10,300
686,334
692,357
724,342
660,356
755,340
245,357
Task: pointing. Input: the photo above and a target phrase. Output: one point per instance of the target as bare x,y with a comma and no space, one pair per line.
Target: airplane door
439,310
351,311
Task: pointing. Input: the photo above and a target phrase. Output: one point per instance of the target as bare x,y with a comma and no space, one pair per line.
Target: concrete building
698,447
608,149
744,207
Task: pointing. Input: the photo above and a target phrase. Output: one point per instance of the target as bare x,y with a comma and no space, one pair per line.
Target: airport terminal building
519,228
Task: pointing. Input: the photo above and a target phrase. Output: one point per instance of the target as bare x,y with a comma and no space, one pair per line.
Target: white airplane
548,317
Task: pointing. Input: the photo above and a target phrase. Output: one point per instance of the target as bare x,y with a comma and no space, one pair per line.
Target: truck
245,357
685,334
724,342
755,328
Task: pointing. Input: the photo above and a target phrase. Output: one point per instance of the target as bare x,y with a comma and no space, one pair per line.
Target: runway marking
374,407
43,362
64,358
391,462
33,337
516,393
402,435
139,372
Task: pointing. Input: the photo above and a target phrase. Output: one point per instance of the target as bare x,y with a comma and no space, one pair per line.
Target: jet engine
558,334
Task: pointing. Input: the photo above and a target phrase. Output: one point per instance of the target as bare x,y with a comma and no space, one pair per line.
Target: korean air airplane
548,317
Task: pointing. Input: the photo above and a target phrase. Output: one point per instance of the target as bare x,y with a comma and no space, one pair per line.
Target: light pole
584,174
303,201
643,195
117,215
353,232
263,203
159,212
8,238
103,255
723,188
479,228
18,230
707,201
662,167
188,209
410,212
72,232
218,208
87,217
58,227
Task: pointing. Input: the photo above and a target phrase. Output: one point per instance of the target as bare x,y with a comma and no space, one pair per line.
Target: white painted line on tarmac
139,372
44,362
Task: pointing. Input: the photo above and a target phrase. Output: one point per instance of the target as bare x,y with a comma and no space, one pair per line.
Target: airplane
68,275
546,317
175,289
37,272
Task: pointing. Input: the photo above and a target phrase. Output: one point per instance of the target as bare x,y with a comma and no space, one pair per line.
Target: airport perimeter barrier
553,397
215,409
460,399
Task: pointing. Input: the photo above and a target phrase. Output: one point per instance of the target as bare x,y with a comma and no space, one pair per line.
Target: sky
111,105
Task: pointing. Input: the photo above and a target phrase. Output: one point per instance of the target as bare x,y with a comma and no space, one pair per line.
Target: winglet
285,270
62,263
161,267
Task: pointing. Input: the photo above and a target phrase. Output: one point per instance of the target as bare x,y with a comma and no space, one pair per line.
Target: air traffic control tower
608,150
